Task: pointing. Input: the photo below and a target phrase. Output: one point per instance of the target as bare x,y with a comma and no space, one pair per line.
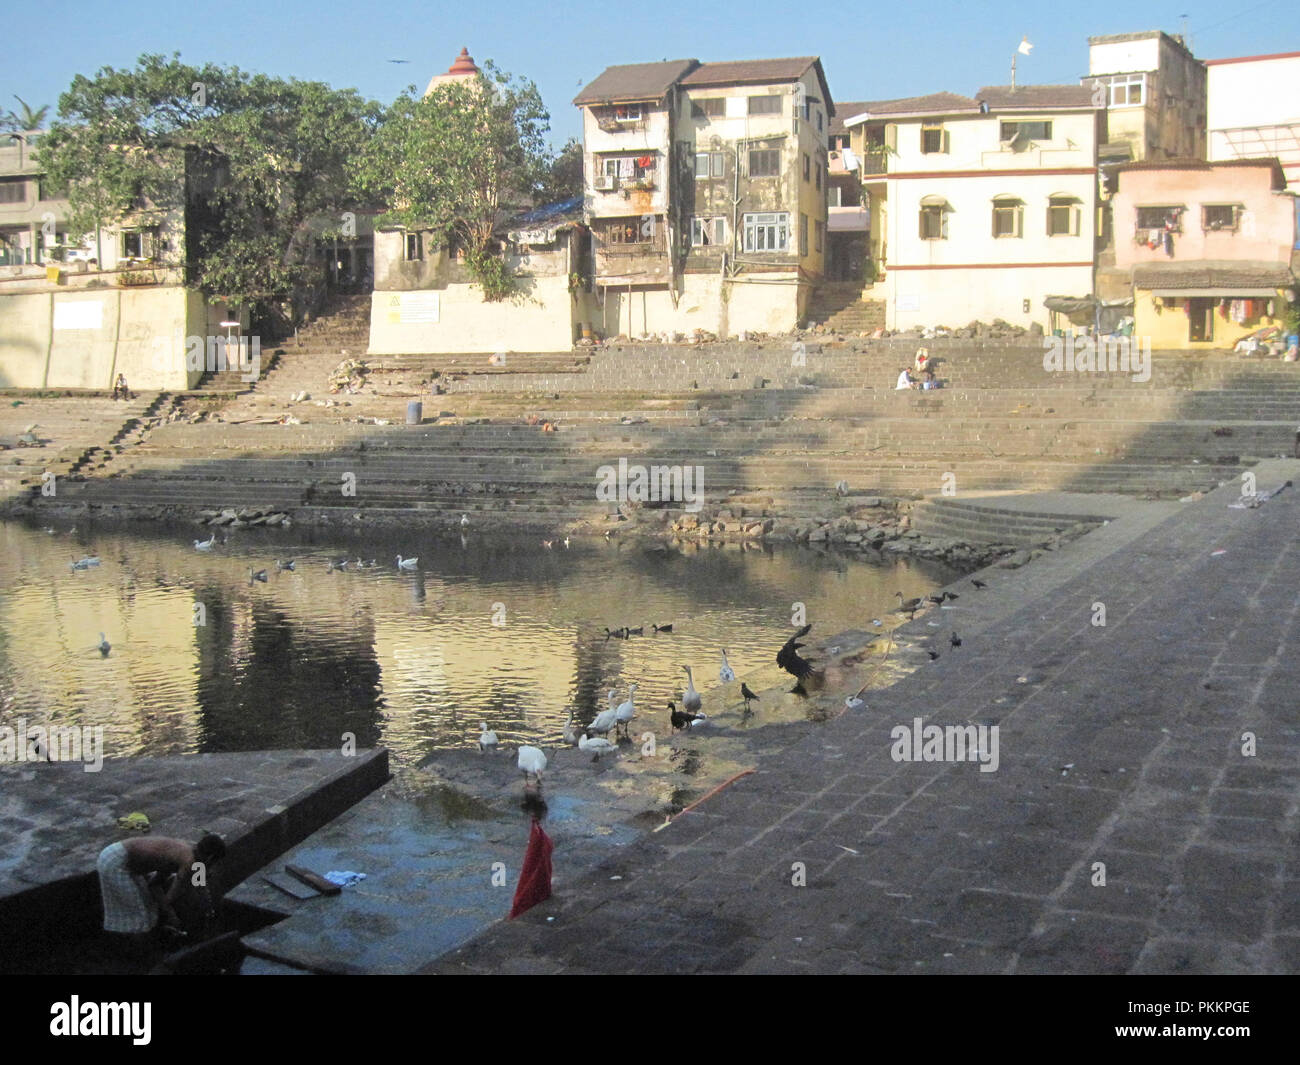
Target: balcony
875,161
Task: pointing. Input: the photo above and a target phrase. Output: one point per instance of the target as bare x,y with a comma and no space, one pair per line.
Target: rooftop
938,103
1279,176
1213,274
635,82
1036,97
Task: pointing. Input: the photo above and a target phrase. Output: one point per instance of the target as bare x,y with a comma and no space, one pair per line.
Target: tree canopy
457,161
257,159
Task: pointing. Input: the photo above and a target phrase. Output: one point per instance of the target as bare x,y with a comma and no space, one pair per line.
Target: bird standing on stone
626,711
908,606
690,697
570,733
956,640
979,584
726,674
531,762
606,719
487,740
747,695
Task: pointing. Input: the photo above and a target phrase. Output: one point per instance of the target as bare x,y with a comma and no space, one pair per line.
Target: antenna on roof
1024,49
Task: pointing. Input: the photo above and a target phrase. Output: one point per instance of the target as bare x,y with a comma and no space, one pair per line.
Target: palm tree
27,118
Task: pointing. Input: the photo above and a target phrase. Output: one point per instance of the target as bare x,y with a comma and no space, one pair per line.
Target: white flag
1025,47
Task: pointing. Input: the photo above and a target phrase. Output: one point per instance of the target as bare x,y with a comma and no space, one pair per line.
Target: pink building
1211,241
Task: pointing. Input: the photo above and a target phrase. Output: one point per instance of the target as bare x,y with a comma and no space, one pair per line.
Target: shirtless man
131,906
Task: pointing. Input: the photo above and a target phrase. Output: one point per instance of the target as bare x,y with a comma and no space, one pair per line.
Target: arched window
1064,211
1008,216
934,218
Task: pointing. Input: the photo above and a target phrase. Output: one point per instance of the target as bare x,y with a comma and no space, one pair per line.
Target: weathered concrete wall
84,339
545,317
24,339
768,303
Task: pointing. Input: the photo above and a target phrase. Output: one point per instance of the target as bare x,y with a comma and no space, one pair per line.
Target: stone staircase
776,436
838,307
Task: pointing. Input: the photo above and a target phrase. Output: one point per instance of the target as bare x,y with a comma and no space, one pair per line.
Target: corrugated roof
758,72
1035,97
935,103
635,82
1213,273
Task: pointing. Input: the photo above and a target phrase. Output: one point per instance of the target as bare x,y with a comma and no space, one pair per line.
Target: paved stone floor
1142,818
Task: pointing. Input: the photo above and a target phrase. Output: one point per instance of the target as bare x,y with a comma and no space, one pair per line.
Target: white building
981,207
1254,110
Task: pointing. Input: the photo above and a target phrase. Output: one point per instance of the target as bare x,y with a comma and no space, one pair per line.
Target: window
414,247
1126,90
629,167
807,167
764,162
934,139
819,233
765,105
708,232
709,164
1164,216
628,113
767,232
819,177
132,244
819,121
628,231
803,235
934,222
1220,215
13,191
1063,216
807,107
1008,214
713,107
1026,131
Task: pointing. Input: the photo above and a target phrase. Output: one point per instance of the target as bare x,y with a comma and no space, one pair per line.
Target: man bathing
132,904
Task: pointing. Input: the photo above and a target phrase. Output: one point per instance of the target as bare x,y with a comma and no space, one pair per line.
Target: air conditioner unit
606,183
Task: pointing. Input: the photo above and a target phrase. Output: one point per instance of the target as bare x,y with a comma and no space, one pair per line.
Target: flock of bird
617,716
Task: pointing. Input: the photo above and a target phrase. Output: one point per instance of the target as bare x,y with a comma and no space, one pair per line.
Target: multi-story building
1208,246
31,217
78,309
981,207
1253,110
1153,90
706,193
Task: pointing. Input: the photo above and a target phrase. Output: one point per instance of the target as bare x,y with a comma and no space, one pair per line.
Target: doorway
1200,319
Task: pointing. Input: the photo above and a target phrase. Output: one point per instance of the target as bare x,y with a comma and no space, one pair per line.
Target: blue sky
869,52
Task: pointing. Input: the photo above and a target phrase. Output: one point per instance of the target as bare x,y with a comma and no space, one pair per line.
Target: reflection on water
497,630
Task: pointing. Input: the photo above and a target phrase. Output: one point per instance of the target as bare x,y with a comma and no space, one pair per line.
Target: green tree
564,173
252,160
455,162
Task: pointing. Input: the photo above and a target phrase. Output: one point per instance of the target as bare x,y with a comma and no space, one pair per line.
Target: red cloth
535,879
